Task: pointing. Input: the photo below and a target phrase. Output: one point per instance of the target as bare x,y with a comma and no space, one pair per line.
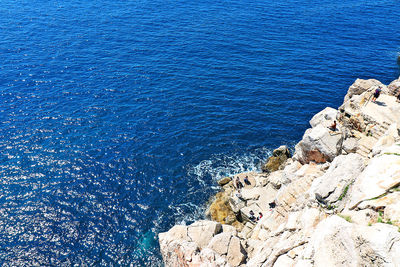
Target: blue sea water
117,117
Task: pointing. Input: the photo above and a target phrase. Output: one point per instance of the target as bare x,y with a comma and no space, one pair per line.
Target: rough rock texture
201,232
392,211
279,156
350,145
337,242
335,203
236,253
220,210
324,117
219,243
334,184
224,181
394,87
360,86
382,174
319,144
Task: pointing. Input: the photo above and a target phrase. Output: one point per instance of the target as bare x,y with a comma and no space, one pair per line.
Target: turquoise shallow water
117,117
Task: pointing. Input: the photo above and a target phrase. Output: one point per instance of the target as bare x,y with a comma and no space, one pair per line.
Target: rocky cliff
336,202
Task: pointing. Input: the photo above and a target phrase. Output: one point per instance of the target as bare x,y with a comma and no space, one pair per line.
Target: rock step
295,193
375,137
366,145
363,151
363,148
363,154
280,212
381,130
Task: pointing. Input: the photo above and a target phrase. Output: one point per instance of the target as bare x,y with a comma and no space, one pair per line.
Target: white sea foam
222,165
215,168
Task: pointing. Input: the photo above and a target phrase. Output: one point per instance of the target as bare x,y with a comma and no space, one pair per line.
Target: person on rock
252,217
272,205
376,94
239,195
260,215
239,184
246,180
333,126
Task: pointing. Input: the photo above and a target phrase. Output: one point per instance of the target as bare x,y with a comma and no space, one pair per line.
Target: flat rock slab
220,243
324,117
382,173
201,232
319,144
337,242
250,175
341,173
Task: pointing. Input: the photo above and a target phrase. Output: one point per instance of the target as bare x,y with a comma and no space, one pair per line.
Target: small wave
222,165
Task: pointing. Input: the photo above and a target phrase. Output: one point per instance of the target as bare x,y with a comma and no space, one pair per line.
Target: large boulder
201,232
324,117
319,144
360,86
337,242
350,145
236,253
279,156
190,245
334,184
224,181
220,210
381,174
220,243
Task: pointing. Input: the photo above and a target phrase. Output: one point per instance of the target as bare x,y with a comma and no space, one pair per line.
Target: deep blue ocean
118,117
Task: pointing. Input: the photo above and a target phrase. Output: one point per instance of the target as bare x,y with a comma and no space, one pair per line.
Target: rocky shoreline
336,202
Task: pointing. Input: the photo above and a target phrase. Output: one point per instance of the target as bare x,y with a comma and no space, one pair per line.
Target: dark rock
220,210
279,156
224,181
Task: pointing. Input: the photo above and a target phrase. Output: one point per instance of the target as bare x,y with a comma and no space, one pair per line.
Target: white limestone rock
387,140
381,174
392,213
201,232
360,86
236,253
381,202
350,145
337,242
251,194
310,218
394,87
361,217
176,232
185,245
229,229
304,263
284,261
277,178
285,176
220,243
324,117
319,144
342,172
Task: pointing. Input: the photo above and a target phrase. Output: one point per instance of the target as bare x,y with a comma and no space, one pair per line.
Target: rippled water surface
117,117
